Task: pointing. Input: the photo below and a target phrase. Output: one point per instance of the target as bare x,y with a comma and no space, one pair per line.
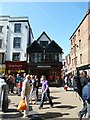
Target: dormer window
43,43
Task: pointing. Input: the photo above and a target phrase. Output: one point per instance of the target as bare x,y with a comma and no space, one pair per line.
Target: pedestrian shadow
55,103
65,107
52,97
53,115
10,114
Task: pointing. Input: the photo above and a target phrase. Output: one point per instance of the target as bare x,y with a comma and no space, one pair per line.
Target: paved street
66,106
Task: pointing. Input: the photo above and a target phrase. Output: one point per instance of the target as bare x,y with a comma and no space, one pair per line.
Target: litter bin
4,102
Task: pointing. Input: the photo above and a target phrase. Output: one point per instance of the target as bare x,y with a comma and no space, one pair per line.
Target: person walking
45,92
86,97
33,89
11,82
83,80
18,78
37,85
25,93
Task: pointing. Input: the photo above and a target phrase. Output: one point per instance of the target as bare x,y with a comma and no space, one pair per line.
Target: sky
58,19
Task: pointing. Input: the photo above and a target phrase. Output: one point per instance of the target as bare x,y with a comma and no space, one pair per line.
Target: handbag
22,105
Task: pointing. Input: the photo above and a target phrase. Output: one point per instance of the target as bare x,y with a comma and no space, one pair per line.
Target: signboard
16,65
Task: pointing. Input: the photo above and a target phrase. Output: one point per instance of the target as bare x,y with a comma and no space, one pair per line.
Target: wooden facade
44,57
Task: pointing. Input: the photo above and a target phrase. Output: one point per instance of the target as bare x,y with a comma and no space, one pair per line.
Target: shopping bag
22,105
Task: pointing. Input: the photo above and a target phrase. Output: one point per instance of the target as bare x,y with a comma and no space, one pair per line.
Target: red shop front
13,67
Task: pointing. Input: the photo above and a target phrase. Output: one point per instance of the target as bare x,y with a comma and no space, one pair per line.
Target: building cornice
87,13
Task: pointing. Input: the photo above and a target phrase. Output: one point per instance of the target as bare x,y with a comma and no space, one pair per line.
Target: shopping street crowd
80,83
27,87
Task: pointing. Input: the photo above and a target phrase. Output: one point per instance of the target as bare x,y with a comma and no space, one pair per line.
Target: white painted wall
4,21
24,39
44,38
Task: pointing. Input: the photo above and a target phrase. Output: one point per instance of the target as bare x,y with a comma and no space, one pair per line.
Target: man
33,89
84,80
86,97
25,94
45,92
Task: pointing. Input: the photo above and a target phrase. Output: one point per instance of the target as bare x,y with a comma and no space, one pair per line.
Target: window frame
16,42
17,28
1,29
1,43
16,59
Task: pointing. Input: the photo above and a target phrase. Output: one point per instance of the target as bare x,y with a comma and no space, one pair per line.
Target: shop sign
16,65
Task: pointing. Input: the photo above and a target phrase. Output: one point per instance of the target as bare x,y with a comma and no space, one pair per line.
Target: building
15,36
4,22
80,45
44,57
67,65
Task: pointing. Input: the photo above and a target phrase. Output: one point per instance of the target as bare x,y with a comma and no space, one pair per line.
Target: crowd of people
27,87
80,83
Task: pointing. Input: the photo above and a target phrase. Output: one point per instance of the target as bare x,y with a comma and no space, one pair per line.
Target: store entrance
43,72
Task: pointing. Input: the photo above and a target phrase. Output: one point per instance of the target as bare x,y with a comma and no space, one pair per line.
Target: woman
25,94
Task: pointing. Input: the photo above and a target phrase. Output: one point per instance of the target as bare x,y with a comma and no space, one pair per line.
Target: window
80,58
79,32
1,27
17,28
71,42
71,50
16,56
56,57
44,43
79,43
0,43
40,57
17,42
2,58
89,37
35,58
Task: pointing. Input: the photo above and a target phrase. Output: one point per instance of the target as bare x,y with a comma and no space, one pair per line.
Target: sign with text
15,65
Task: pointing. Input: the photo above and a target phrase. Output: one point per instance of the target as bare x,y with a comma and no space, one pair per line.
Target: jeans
46,94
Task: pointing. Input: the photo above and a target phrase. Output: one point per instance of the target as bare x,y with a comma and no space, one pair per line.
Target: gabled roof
42,35
34,47
54,47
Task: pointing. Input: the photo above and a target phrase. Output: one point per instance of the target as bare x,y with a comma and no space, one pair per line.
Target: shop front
53,74
15,67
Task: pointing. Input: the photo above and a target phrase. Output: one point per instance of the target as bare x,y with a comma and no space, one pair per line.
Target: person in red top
19,88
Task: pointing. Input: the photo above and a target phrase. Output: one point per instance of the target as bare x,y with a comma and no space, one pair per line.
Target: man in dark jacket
83,80
77,84
86,97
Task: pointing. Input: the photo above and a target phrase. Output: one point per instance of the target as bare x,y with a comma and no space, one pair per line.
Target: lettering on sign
15,66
